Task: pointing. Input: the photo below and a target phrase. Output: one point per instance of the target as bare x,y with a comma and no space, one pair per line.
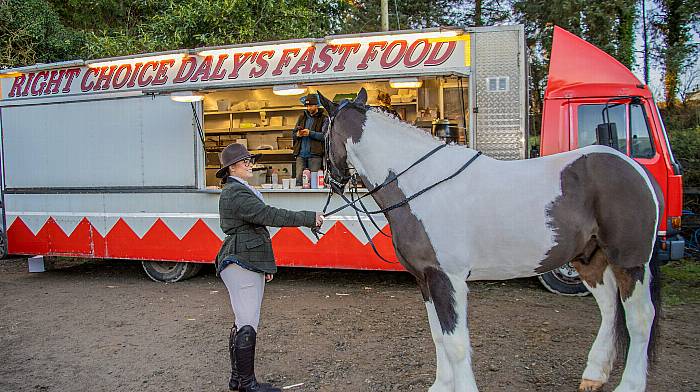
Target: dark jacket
317,146
243,217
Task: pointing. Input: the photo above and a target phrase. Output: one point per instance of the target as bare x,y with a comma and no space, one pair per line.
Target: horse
493,220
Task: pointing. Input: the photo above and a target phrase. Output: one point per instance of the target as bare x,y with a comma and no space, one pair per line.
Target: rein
354,188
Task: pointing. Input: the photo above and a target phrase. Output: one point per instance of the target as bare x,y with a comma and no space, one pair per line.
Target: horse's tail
621,332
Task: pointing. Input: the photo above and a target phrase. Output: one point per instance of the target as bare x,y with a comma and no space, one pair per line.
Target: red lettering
30,77
433,59
54,81
84,85
285,60
116,83
182,75
385,56
345,50
104,78
306,62
17,86
262,63
238,60
70,74
218,73
411,49
143,82
371,53
204,70
40,75
325,58
134,74
162,73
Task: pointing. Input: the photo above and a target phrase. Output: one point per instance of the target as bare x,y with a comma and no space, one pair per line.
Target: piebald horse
594,207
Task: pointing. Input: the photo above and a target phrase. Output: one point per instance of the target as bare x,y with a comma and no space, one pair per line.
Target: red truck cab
591,98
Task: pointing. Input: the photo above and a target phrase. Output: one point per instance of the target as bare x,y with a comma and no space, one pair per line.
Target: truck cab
591,98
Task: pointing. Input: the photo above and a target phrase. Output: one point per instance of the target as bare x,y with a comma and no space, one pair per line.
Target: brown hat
233,153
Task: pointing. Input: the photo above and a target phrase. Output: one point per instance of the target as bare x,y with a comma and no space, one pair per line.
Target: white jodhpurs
246,289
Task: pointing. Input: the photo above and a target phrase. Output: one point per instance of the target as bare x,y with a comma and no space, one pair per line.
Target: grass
681,282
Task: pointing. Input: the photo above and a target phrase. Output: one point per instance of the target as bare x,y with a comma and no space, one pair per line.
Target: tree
673,26
608,25
358,16
32,32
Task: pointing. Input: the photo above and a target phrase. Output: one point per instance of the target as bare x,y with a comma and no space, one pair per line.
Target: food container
223,104
276,121
284,143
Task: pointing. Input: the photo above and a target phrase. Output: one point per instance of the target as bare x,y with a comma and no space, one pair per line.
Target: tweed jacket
243,217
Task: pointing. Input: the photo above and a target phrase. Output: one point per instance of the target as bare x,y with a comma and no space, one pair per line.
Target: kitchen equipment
446,130
284,143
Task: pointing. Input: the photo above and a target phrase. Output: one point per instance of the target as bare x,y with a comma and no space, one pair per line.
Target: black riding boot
244,353
234,381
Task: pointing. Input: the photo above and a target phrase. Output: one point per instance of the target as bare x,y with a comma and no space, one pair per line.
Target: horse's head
346,122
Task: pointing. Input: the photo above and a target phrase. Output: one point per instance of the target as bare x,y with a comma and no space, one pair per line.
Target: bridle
338,178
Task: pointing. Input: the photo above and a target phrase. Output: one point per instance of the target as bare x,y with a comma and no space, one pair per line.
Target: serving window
263,120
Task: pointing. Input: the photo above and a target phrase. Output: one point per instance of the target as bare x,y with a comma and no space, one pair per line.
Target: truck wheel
169,272
564,281
3,245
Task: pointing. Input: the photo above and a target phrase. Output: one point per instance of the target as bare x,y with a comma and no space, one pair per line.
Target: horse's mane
404,129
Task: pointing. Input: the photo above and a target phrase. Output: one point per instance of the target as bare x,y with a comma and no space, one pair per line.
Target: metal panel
132,142
500,130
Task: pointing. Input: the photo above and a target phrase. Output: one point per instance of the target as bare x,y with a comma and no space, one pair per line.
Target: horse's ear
331,108
361,97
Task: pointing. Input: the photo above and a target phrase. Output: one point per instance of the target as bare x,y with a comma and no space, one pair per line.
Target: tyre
564,281
3,245
169,272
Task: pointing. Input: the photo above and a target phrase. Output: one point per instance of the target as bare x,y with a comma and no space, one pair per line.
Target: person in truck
245,261
308,136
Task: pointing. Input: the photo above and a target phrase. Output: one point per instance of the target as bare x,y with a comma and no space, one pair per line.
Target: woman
245,261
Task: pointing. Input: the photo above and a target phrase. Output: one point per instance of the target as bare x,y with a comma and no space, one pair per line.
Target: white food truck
115,158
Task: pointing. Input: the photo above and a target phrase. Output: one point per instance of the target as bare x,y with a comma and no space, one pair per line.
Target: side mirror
606,134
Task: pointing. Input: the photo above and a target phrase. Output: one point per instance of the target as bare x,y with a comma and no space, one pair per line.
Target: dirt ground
104,326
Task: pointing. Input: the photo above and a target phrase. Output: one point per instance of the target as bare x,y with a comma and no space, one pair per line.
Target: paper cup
286,183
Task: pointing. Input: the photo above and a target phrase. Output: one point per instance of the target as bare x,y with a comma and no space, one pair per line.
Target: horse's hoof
589,385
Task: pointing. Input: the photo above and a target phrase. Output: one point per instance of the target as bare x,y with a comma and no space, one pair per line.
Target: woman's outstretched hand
319,219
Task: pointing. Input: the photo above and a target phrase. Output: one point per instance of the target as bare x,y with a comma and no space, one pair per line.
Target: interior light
388,37
288,89
186,96
405,83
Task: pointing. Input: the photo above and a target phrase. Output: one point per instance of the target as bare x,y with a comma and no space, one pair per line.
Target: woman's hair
224,179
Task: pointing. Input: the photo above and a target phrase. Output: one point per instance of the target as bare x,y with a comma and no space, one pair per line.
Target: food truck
115,158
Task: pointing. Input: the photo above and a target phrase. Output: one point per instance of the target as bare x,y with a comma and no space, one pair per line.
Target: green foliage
681,282
32,33
675,50
686,149
364,15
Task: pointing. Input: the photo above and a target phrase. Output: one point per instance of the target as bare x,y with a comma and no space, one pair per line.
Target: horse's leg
636,295
600,280
443,374
447,314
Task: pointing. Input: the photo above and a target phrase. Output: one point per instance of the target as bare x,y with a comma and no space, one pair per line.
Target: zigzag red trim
338,248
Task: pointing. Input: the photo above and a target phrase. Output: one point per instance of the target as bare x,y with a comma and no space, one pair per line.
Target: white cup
286,183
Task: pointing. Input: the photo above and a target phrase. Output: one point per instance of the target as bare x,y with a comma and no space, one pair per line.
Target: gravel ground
101,325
